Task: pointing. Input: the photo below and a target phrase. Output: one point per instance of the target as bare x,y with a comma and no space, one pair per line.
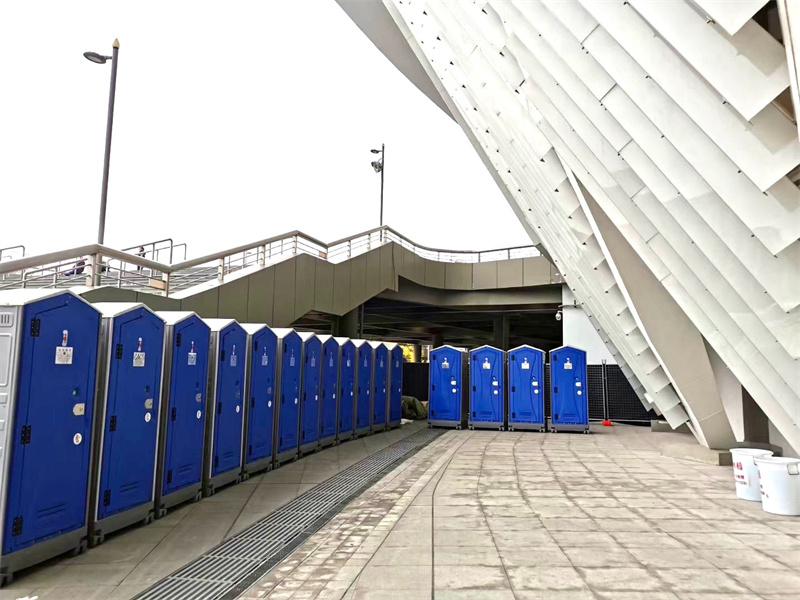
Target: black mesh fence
415,380
594,386
624,404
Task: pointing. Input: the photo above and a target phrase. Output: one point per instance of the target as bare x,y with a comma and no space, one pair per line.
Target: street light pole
101,230
383,166
378,165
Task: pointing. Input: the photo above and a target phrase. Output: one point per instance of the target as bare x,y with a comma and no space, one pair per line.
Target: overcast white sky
235,120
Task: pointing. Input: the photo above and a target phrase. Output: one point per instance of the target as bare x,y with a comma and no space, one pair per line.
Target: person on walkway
140,253
77,269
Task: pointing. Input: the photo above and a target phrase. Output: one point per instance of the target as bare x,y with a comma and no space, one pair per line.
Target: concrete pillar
438,340
417,353
756,423
348,323
501,327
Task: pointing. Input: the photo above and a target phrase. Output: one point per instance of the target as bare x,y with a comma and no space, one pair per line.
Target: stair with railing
143,270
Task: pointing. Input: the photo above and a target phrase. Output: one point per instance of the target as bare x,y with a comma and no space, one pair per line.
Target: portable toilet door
127,422
225,404
310,404
448,379
380,392
329,390
347,389
289,374
48,360
487,388
364,363
395,384
526,389
183,410
259,418
569,405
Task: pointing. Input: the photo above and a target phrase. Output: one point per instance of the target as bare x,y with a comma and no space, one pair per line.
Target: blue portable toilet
224,404
569,400
127,421
183,410
395,384
310,403
364,364
48,360
347,389
448,382
329,407
380,390
259,420
526,389
290,352
487,388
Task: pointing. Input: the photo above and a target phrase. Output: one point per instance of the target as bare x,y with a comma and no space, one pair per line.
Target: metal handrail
154,249
17,247
172,277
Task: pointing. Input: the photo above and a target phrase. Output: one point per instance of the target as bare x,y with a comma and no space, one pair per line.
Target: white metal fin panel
765,150
580,22
731,14
747,69
531,20
774,220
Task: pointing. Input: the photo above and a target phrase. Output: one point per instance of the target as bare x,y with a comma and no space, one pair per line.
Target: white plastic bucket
780,484
745,472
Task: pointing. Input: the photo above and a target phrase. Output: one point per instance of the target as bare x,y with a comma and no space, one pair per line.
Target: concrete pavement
503,516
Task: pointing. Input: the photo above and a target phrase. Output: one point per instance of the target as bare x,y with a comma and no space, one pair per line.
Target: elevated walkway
279,280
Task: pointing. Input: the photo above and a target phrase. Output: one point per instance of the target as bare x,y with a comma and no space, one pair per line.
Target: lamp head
96,58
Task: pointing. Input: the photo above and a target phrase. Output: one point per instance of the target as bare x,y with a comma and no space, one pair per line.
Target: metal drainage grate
230,568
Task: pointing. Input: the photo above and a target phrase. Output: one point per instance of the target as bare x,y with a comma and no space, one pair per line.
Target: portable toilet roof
219,324
342,340
377,345
359,343
114,309
526,346
391,345
306,335
324,337
448,346
20,297
486,346
569,347
253,328
282,332
173,317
